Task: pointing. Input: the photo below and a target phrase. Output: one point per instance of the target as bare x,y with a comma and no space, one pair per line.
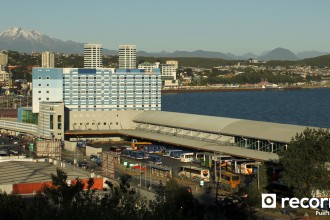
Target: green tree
305,162
175,202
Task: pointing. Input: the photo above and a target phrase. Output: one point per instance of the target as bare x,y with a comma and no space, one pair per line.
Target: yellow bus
230,181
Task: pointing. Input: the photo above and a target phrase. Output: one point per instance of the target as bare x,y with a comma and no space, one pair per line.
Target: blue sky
229,26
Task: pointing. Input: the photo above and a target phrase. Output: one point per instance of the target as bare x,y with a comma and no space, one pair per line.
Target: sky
228,26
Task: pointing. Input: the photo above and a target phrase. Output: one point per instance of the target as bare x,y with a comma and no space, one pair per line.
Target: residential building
93,56
148,66
127,56
3,58
4,75
173,62
48,59
168,71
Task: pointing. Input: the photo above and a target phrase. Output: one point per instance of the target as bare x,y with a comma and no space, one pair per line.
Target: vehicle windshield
235,178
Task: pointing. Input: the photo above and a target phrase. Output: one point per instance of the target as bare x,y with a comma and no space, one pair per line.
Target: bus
208,159
152,148
234,165
138,155
249,168
155,159
126,152
168,152
117,149
161,171
176,154
187,157
230,181
195,173
138,145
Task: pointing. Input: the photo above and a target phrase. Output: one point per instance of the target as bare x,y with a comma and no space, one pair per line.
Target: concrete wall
8,188
92,150
68,145
102,120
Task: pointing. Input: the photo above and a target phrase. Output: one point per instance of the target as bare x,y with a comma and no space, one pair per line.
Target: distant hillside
279,54
18,39
310,54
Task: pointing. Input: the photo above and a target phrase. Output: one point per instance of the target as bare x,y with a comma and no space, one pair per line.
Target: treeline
63,201
252,77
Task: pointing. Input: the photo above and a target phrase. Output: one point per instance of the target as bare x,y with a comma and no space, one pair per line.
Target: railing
19,127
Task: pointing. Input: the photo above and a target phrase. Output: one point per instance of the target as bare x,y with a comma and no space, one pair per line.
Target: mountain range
17,39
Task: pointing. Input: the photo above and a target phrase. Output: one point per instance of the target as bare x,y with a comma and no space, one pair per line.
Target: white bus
168,152
195,173
187,157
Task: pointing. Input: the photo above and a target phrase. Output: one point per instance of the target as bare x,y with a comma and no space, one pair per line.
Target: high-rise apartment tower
127,56
93,56
48,59
3,58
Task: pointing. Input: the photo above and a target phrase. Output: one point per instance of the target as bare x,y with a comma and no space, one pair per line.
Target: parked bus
168,152
208,159
230,181
234,165
249,168
161,171
155,159
153,148
117,149
138,155
138,145
195,173
176,154
126,152
187,157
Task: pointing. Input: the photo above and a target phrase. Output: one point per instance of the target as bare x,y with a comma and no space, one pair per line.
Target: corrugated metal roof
220,125
202,145
29,172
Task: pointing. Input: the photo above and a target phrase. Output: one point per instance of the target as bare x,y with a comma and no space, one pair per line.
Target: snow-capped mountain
21,40
19,33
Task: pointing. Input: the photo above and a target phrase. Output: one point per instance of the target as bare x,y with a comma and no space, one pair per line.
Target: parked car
83,165
93,158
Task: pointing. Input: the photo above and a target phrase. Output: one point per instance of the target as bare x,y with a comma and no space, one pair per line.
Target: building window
39,91
47,91
104,123
39,84
47,84
59,122
39,98
51,121
39,77
47,77
80,123
47,98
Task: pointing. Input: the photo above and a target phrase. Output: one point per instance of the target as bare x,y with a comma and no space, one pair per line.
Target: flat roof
30,172
219,125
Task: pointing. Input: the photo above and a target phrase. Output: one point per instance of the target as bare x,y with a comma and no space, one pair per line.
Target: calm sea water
308,107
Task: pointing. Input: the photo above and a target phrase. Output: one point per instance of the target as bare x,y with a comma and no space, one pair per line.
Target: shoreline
192,89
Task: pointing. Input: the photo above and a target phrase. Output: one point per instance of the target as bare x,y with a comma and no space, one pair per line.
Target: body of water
308,107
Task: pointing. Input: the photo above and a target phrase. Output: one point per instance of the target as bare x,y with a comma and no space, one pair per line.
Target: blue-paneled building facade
100,89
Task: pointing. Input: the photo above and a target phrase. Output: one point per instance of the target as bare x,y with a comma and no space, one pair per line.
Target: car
83,165
93,158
